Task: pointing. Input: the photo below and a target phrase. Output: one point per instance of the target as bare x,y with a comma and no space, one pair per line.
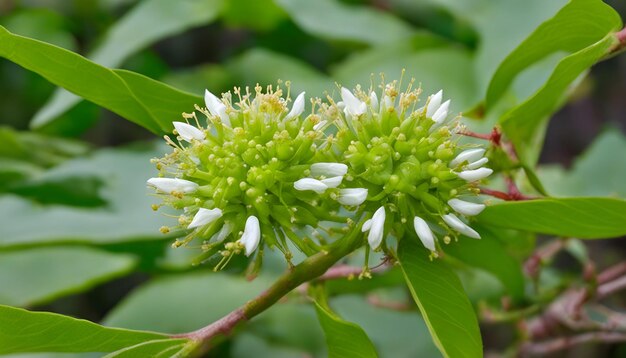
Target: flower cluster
260,170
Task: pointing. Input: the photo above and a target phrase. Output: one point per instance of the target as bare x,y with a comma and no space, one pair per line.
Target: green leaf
489,254
39,275
184,303
444,305
583,218
137,98
157,19
126,215
333,20
595,173
580,24
23,331
159,348
344,339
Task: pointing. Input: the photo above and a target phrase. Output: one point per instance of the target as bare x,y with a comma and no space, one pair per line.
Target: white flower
476,174
310,184
388,102
477,164
441,114
205,217
424,233
354,106
169,185
216,107
188,132
433,103
465,207
328,169
251,235
332,182
376,226
469,155
298,107
456,224
352,196
374,101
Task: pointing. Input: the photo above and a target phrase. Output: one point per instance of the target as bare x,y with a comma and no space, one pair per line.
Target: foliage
77,220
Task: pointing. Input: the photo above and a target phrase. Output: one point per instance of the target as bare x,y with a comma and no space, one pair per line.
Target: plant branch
557,344
309,269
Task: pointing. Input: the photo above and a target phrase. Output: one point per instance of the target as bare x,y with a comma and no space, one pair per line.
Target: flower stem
309,269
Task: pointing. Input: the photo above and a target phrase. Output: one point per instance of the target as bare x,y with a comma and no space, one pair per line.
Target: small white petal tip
469,155
310,184
205,217
216,107
476,174
354,106
433,103
170,185
352,196
376,228
424,233
465,207
298,107
188,132
456,224
251,235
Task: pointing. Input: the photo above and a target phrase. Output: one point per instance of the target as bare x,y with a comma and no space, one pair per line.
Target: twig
611,287
557,344
312,267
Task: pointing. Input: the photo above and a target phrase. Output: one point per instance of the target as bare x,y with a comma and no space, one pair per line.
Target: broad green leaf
444,305
344,339
523,122
44,24
394,333
336,21
38,275
266,67
159,348
583,218
157,19
580,24
261,15
137,98
126,215
433,68
23,331
489,254
595,173
184,303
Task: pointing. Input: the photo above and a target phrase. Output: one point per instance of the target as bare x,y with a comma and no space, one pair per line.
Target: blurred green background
77,235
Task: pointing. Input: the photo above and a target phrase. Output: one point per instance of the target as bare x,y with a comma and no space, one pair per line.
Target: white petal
388,102
332,182
224,231
216,107
424,233
169,185
375,236
366,225
319,125
298,107
251,235
374,101
328,169
476,174
188,132
433,103
456,224
354,106
205,217
352,196
469,155
477,164
441,113
310,184
465,207
341,105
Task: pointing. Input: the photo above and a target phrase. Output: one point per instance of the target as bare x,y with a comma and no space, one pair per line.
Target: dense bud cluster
258,170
